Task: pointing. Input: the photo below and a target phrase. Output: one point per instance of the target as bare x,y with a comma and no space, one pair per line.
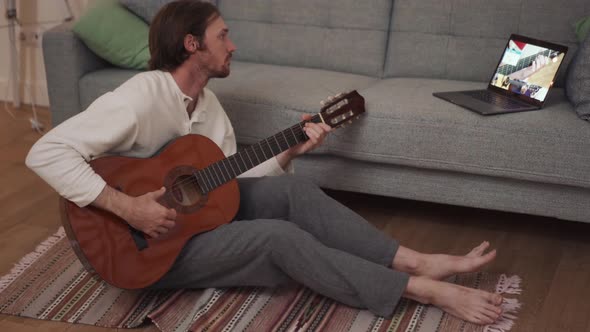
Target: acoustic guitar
200,185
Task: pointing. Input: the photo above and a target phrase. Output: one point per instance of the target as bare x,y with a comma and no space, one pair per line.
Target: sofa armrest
66,59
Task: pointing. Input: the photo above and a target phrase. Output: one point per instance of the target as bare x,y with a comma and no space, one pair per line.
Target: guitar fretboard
229,168
522,63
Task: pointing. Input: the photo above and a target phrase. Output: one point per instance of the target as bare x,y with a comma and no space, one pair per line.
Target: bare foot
439,266
472,305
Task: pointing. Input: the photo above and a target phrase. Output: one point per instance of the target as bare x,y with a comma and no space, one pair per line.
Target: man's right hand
143,213
147,215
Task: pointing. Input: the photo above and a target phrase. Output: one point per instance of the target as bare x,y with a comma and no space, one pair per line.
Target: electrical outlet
31,37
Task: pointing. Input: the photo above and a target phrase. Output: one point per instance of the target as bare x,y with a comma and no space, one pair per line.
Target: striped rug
50,283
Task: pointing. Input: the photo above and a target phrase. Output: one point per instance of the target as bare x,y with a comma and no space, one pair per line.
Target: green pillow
582,28
115,34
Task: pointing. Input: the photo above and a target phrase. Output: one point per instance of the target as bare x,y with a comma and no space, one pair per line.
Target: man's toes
470,264
484,245
474,252
474,263
490,319
479,250
489,256
498,299
495,299
493,312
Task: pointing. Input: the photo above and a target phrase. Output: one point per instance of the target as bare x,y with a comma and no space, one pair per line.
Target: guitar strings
257,148
293,132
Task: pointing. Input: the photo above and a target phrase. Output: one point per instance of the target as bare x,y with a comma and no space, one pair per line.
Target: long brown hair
169,27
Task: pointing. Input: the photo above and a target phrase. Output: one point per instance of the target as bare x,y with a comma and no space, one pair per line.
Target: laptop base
463,99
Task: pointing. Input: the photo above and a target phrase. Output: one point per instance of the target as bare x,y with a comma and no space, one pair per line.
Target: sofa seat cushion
406,125
262,100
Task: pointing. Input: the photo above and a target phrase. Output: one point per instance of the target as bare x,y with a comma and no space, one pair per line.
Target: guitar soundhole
185,191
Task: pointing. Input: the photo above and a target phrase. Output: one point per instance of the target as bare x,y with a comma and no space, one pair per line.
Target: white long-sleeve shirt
134,120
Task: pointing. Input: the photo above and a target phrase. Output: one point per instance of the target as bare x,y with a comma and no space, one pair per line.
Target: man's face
216,57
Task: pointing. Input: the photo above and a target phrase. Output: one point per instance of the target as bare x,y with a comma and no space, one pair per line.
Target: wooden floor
552,256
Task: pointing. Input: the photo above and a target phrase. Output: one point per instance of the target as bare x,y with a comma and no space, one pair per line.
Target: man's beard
221,73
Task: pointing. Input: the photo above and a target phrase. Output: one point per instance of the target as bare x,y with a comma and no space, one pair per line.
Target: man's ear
191,44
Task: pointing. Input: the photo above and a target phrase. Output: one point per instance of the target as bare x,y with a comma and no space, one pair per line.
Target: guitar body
127,258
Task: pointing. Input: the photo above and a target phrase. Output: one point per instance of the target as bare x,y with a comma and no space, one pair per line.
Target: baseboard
30,92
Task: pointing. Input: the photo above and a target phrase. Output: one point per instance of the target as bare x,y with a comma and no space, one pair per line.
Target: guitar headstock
343,109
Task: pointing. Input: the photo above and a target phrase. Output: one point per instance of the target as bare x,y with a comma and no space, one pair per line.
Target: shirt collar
198,114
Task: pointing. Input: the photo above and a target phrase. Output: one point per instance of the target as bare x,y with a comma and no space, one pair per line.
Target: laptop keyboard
494,99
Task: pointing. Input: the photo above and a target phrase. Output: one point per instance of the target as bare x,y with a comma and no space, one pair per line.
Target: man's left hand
316,132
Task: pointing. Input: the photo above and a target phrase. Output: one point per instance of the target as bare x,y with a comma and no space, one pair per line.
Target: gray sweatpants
288,229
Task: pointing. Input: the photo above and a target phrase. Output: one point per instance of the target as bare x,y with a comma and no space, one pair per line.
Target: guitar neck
231,167
522,63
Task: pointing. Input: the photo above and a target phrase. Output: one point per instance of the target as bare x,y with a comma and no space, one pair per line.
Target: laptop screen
528,67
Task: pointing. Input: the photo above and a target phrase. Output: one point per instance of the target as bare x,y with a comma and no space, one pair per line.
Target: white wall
34,15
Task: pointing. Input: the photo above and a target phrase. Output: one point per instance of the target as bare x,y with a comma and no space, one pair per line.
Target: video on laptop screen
527,69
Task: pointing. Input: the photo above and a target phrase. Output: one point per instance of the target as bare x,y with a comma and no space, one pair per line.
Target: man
286,228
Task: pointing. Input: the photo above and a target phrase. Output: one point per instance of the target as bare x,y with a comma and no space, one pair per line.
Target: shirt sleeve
61,156
270,167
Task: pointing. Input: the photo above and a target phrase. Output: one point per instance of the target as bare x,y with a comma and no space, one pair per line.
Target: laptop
521,81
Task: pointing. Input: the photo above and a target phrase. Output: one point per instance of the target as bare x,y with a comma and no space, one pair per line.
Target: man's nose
231,47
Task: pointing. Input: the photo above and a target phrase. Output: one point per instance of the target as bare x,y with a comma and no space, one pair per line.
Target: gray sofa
292,54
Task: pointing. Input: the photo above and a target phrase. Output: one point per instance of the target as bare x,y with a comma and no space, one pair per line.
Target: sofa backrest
343,35
464,39
147,9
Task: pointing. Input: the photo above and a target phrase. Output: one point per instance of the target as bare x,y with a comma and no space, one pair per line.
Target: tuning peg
326,101
330,99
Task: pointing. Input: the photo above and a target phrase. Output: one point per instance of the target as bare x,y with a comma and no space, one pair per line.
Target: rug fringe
507,285
30,258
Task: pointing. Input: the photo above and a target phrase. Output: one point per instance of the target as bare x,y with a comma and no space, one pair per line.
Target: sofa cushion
97,83
114,34
147,9
346,35
406,125
463,40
